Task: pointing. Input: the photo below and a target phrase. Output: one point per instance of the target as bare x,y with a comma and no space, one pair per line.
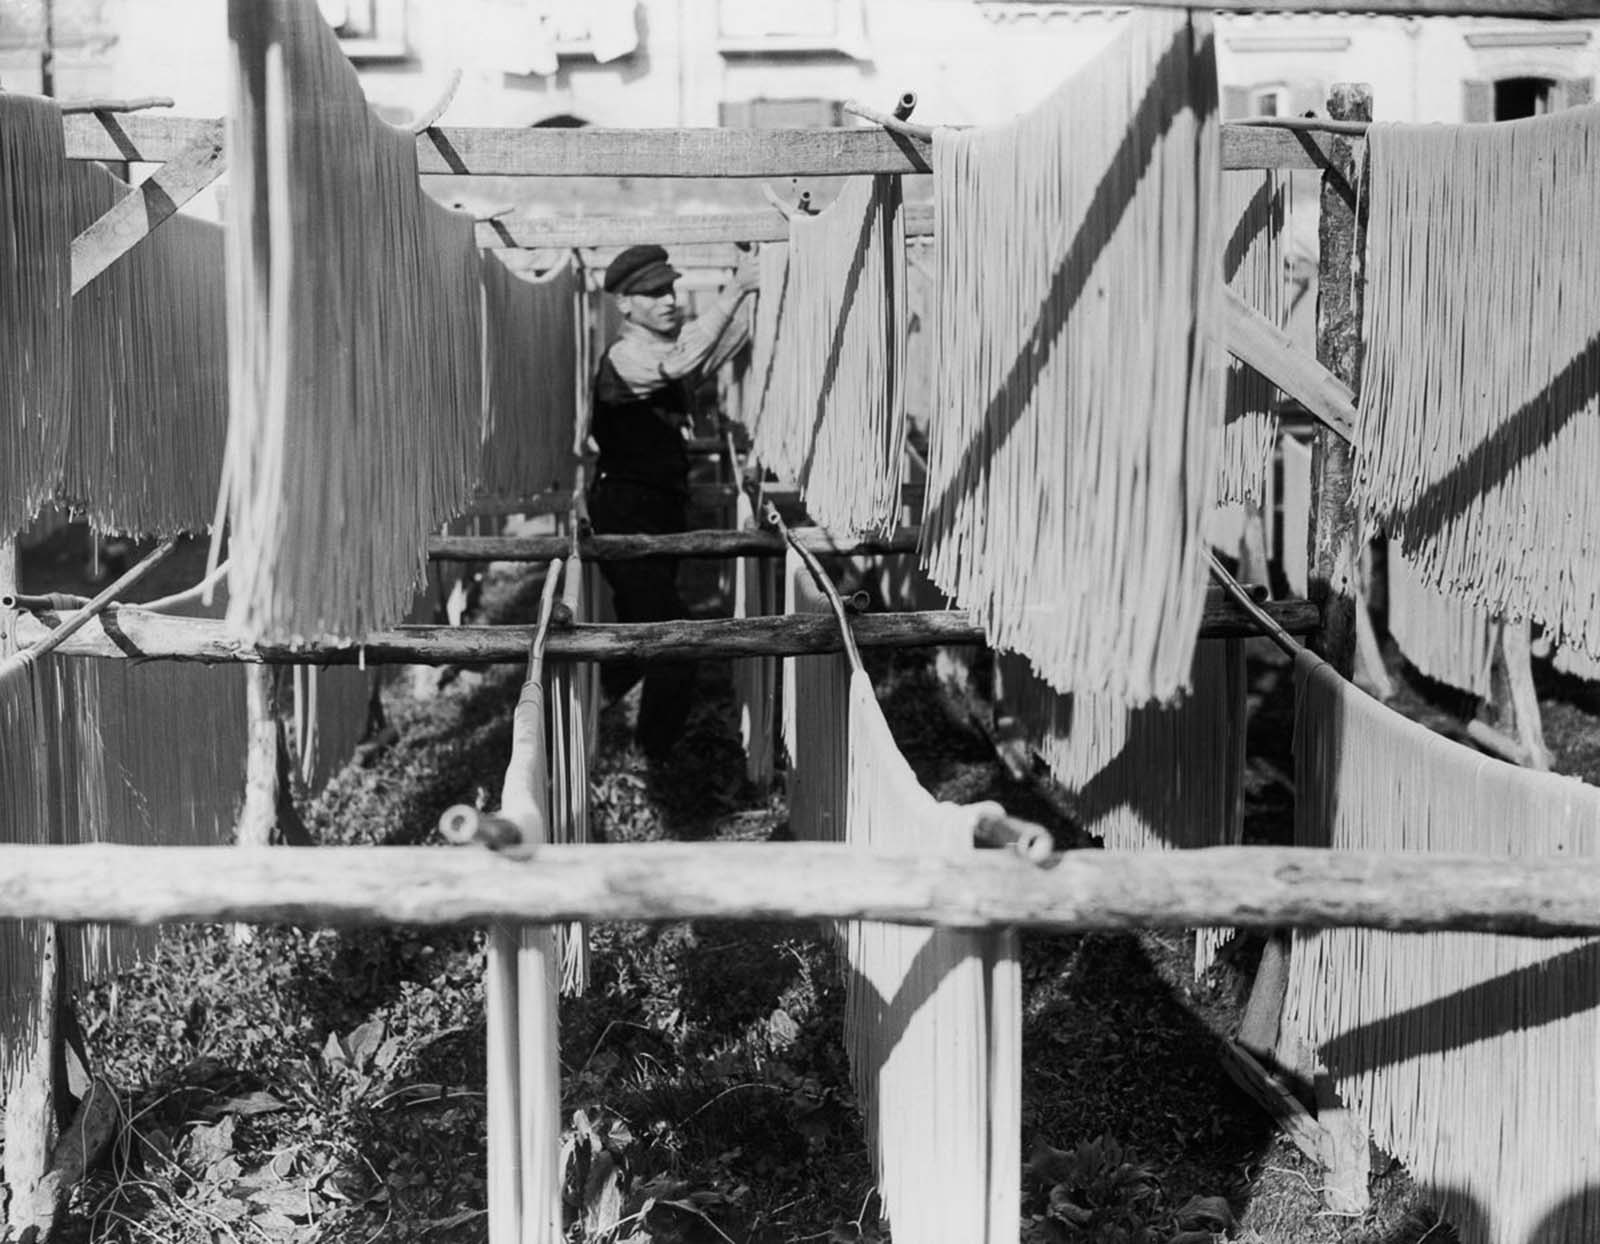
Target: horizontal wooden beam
1239,887
624,548
127,631
1256,340
592,152
563,232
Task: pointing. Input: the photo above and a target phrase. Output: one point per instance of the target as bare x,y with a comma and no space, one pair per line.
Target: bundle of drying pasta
832,415
1294,550
331,707
354,342
574,709
35,296
816,699
1479,432
149,374
1072,443
930,1007
1255,207
772,308
1444,636
531,370
1154,776
755,679
1471,1057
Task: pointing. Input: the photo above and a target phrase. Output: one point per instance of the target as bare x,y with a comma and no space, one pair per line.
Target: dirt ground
322,1085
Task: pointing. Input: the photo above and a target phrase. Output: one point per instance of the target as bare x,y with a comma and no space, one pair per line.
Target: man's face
657,311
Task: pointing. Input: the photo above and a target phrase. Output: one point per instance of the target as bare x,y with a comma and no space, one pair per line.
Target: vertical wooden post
30,1119
1334,542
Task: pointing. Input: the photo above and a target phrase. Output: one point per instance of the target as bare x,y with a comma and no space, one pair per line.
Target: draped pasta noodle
1478,437
772,304
1470,1056
1444,636
355,342
332,707
574,711
816,698
932,1018
531,368
1255,207
755,679
35,296
1157,776
1072,444
1294,550
832,414
149,374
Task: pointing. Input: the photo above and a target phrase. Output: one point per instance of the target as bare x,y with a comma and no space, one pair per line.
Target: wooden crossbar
593,152
131,632
642,547
1241,887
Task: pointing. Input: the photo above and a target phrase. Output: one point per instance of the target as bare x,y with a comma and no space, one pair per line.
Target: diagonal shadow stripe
1529,429
1516,1001
1166,99
1257,218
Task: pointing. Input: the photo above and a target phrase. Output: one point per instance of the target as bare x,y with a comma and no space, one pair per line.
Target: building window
1269,101
1523,97
796,26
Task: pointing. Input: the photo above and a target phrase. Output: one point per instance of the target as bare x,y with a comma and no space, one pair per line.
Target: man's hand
747,276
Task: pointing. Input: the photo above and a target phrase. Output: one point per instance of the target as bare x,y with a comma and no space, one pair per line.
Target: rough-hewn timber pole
631,547
131,632
1246,887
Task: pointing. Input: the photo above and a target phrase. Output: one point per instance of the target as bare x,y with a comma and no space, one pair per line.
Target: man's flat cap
641,270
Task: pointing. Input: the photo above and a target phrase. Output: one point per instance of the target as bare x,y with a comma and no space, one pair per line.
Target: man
643,401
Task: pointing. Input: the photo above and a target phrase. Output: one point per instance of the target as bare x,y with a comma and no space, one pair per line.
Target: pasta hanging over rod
1471,1057
830,375
1444,636
532,364
149,374
1073,438
922,1006
35,300
755,679
1255,209
355,342
1478,438
1157,776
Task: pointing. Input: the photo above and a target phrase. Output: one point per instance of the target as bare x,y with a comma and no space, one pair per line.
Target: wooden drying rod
127,631
631,547
592,151
1238,887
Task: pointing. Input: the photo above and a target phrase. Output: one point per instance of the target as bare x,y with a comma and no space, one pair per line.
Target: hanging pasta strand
1444,636
1255,208
1294,551
35,297
355,342
816,698
829,357
755,679
149,376
332,706
930,1007
574,708
531,343
1077,404
1157,776
1471,1057
1479,430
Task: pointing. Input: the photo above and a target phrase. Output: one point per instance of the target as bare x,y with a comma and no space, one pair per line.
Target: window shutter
1235,102
1477,100
1580,91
